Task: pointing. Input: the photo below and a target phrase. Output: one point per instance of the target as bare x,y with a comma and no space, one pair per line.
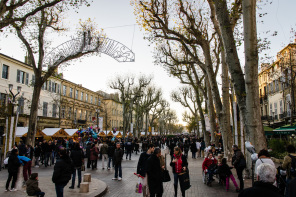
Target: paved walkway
126,187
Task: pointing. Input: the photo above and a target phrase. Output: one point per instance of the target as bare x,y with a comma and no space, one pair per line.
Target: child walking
224,171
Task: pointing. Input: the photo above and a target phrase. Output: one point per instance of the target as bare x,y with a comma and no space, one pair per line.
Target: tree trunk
227,137
34,112
251,74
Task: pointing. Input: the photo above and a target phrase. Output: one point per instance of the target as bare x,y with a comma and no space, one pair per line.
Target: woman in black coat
13,166
154,173
179,164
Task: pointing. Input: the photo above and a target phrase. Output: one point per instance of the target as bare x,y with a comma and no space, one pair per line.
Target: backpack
293,166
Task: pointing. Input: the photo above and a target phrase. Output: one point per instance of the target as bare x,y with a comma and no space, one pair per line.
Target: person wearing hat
32,186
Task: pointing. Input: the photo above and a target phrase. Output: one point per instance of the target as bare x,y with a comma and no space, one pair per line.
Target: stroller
281,179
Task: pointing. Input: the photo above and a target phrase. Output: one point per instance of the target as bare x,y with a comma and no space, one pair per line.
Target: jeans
129,152
74,176
288,180
94,164
53,155
36,161
211,174
14,177
88,162
110,158
118,168
47,156
194,155
104,157
39,194
239,172
27,170
59,190
176,178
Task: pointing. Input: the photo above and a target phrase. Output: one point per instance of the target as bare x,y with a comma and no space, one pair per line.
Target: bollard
87,177
84,187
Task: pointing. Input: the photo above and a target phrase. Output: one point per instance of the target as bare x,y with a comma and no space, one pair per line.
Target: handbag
184,180
165,174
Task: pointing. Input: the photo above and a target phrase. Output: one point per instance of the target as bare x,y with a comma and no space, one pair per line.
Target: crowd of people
71,157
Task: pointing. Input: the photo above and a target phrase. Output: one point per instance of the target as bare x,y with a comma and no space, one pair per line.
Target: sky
117,19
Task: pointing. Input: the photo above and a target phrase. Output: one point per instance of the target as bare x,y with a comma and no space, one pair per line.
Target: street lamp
98,112
19,89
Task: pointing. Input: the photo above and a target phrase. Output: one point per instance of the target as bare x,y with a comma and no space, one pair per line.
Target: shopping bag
83,167
184,180
166,176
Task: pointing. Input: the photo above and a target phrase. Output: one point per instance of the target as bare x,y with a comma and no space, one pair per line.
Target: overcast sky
118,21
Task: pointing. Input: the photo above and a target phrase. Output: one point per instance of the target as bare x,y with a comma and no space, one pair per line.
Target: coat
94,156
77,157
207,162
142,164
63,170
13,164
154,173
237,158
117,157
184,162
261,189
32,187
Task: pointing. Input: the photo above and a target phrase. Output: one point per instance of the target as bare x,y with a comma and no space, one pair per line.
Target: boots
176,190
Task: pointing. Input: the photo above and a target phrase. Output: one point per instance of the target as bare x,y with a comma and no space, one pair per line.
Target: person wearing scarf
179,164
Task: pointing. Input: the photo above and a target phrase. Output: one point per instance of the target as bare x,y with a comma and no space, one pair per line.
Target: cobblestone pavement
126,187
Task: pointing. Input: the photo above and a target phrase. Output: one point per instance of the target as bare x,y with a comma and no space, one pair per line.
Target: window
49,85
5,71
63,112
58,88
44,87
75,114
275,109
85,115
21,104
76,94
22,77
86,97
96,100
64,90
53,88
90,115
99,102
91,99
81,98
3,99
71,92
70,112
33,80
54,110
80,116
45,104
281,107
270,109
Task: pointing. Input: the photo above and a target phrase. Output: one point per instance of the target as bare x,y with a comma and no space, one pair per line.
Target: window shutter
58,88
49,85
27,78
33,80
18,76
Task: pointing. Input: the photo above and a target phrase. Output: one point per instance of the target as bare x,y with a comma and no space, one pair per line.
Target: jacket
92,153
193,147
117,157
287,164
37,151
142,164
32,187
261,189
237,158
184,163
154,173
104,149
77,157
111,149
207,162
13,164
224,170
62,171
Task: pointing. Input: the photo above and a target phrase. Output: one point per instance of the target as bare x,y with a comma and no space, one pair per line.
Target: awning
288,130
20,131
102,134
38,134
110,133
55,132
119,135
71,132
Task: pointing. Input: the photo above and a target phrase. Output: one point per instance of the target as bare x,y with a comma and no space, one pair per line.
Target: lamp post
98,112
10,120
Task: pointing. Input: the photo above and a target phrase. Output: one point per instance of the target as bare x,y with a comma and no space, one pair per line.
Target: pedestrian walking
154,172
13,166
104,152
63,170
202,148
117,158
239,162
179,164
88,152
128,148
142,168
37,154
94,154
193,149
77,158
111,149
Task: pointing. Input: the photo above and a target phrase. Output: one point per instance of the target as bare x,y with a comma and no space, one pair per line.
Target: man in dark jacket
263,187
78,160
111,149
13,165
63,170
117,158
142,167
128,147
154,172
239,162
37,154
